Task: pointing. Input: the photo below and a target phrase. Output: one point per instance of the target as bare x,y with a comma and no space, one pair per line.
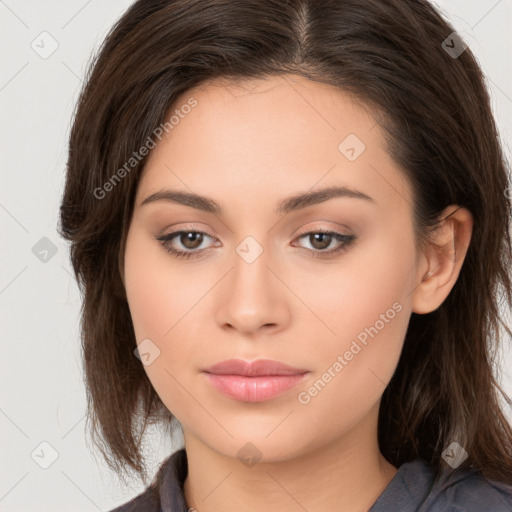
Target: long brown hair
435,112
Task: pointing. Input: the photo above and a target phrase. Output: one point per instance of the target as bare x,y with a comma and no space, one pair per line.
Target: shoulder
165,491
467,491
418,487
147,501
472,493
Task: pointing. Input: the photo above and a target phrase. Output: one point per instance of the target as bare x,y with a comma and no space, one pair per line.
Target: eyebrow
294,203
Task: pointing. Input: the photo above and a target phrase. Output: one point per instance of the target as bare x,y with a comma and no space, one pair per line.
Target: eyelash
345,241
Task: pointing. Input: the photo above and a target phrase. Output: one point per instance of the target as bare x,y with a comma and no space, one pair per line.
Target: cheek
367,303
165,301
159,292
158,313
362,285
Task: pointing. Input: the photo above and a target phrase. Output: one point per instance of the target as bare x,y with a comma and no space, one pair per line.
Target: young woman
290,223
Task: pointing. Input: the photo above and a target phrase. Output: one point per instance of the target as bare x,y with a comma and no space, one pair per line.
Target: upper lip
253,368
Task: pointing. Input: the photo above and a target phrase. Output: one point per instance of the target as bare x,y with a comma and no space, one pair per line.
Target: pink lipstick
253,381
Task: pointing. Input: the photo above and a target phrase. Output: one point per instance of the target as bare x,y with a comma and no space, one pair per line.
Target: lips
255,368
253,381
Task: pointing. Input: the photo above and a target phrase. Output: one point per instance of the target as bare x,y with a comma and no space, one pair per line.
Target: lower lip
254,389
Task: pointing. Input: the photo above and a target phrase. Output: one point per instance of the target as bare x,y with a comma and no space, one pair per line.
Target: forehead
268,137
284,112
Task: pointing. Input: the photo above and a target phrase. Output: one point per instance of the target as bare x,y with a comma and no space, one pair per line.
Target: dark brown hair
435,113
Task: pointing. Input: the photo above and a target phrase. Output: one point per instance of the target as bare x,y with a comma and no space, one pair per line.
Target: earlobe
443,259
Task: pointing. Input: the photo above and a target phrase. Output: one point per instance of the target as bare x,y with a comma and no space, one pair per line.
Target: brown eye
191,239
320,241
184,244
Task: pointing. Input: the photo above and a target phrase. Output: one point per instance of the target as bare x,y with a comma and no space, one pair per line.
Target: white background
42,397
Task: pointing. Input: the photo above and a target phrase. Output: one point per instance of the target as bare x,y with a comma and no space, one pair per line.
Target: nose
252,297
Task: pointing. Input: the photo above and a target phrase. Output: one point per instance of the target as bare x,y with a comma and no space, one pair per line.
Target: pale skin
248,148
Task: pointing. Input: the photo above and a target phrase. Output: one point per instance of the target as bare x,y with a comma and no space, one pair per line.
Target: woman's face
262,282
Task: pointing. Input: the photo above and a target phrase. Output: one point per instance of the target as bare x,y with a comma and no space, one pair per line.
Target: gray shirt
412,489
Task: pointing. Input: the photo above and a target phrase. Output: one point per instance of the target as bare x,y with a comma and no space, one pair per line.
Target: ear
442,258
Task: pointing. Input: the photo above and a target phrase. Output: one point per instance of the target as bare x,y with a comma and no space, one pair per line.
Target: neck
348,474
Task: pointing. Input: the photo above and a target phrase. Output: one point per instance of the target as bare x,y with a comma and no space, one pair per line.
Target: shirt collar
408,489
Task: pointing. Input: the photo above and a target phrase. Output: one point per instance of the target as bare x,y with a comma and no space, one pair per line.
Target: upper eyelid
190,228
302,232
174,234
